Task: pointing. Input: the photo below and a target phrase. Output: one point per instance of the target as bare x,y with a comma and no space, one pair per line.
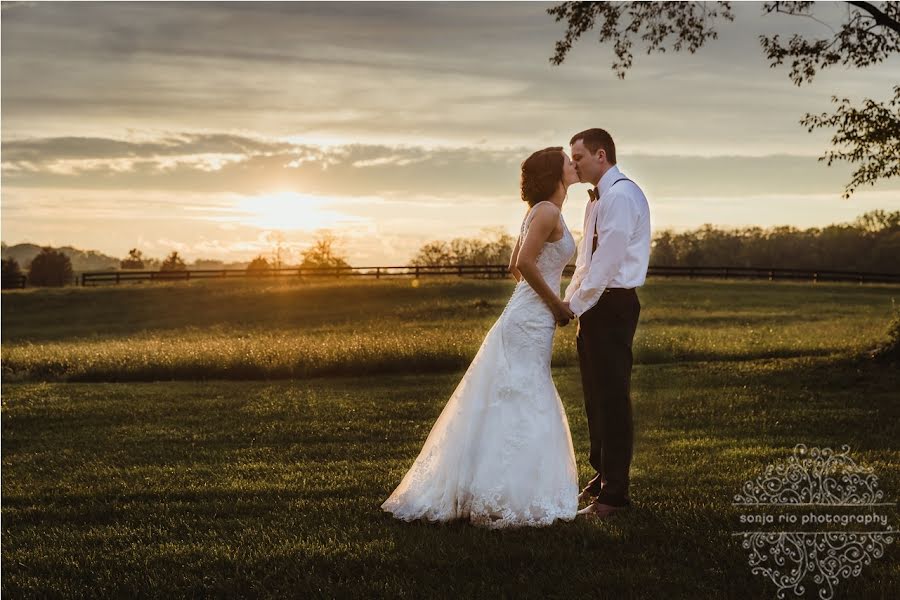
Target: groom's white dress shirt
621,219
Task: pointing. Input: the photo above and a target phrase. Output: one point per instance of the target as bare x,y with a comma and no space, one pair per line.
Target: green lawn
241,330
205,486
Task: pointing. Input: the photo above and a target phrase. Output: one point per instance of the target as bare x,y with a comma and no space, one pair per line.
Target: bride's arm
546,217
517,275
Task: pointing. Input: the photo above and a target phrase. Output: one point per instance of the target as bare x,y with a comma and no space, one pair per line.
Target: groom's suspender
594,249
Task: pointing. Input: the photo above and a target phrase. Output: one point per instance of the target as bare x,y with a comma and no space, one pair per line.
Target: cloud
219,163
391,74
12,4
411,116
38,150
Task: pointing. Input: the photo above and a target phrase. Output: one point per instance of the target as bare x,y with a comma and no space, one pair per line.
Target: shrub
173,262
50,268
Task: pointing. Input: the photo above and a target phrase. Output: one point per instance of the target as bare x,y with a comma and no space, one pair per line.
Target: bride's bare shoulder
547,207
545,211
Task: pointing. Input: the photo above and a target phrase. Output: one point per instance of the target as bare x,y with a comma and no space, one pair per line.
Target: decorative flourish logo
813,477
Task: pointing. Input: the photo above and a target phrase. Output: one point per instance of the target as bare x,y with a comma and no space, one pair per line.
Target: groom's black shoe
600,510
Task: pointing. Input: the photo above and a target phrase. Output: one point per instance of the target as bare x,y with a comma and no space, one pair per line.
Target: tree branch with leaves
869,136
870,33
686,25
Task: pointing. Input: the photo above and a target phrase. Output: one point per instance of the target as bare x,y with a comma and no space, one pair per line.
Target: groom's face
587,165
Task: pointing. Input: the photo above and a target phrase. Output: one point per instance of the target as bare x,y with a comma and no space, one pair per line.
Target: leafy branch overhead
869,135
687,25
870,33
864,39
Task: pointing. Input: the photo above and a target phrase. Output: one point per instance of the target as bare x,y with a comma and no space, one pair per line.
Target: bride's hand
562,313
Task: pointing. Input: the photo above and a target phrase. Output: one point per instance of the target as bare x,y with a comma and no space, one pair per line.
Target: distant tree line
53,267
870,243
323,252
495,248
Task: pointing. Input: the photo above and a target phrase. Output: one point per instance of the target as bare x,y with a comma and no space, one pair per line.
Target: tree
208,263
433,254
277,239
499,247
50,268
870,243
878,220
11,274
868,136
494,247
135,260
323,253
173,262
259,265
871,136
663,252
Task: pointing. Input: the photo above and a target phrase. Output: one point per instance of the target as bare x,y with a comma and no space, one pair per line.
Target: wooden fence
773,274
476,271
16,281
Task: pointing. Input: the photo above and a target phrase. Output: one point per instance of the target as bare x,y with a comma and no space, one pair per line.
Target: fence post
377,272
117,277
417,271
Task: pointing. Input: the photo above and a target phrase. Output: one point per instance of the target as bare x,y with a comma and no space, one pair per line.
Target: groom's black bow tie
594,194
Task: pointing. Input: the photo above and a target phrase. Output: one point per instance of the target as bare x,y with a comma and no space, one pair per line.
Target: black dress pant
604,339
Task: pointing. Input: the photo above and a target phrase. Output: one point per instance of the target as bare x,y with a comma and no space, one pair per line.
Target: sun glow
286,211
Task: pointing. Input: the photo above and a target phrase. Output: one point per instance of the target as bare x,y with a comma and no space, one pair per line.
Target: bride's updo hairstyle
541,174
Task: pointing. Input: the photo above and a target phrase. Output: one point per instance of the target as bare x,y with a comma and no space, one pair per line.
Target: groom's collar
608,178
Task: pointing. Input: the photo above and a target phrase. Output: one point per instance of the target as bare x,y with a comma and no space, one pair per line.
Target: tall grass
236,330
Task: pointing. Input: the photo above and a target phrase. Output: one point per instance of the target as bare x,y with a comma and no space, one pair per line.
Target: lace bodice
551,262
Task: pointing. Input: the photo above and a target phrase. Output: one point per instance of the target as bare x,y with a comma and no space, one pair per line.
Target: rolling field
223,439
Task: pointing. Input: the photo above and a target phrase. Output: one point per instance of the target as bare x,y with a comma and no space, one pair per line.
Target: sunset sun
285,210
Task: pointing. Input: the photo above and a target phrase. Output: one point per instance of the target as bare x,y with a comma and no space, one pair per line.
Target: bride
500,454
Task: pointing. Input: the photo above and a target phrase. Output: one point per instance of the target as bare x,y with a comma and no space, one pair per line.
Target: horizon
285,262
389,125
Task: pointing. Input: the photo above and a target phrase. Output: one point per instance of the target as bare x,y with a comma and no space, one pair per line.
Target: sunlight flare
286,211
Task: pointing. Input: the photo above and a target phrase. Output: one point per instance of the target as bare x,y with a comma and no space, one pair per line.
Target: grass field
240,330
216,439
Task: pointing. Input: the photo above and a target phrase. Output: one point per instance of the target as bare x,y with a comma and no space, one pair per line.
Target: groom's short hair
594,139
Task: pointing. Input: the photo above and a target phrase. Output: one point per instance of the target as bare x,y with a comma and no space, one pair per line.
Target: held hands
563,314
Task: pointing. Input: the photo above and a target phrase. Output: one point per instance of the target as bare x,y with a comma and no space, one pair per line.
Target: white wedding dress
500,454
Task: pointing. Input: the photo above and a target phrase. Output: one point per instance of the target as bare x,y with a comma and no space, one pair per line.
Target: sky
213,128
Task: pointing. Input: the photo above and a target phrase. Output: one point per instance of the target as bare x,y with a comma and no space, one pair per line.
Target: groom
612,261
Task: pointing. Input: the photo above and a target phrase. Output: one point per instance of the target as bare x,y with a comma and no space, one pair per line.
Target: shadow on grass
274,489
